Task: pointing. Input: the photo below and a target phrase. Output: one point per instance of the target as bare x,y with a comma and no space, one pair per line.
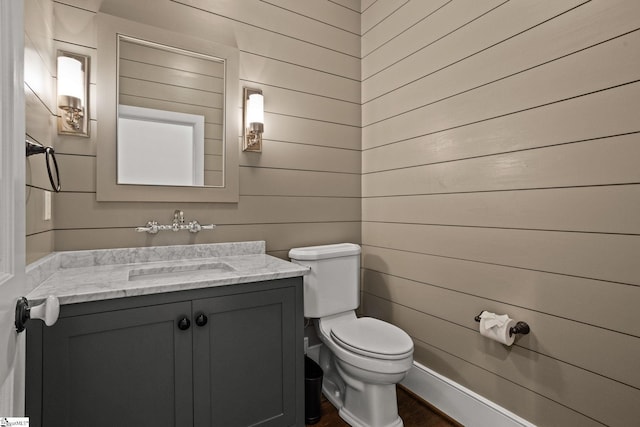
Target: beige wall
39,67
500,172
303,189
497,168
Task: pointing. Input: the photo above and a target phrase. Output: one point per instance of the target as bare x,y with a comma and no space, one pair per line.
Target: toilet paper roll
498,332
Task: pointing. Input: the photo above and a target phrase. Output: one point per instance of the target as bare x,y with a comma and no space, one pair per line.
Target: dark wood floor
414,412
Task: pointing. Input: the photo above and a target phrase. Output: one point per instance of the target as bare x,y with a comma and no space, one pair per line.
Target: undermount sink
210,268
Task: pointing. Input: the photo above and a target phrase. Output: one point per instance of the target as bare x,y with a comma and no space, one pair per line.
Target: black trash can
312,391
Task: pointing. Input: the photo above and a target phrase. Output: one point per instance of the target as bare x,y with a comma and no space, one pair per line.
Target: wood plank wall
40,111
303,189
500,172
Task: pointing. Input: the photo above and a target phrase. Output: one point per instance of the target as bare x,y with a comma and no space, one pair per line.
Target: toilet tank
333,284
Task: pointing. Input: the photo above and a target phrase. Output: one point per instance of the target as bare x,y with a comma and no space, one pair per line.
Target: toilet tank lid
324,251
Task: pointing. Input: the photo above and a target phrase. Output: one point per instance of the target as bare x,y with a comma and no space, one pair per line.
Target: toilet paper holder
520,327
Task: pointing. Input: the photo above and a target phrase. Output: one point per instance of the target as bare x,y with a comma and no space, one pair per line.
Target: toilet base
357,414
359,404
370,405
353,421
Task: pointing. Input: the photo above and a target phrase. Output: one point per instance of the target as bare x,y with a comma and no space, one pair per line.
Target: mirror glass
170,115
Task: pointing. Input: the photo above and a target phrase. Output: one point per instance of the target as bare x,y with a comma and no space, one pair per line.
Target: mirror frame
107,188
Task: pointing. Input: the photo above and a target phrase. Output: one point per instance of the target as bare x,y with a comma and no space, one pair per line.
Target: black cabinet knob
184,323
201,319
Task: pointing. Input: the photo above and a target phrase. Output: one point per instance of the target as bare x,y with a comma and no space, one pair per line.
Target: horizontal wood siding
500,144
303,189
483,153
40,110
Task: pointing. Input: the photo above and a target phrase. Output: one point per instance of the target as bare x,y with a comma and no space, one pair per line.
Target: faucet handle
194,226
151,228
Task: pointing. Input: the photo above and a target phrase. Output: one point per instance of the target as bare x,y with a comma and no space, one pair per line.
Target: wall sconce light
73,93
252,119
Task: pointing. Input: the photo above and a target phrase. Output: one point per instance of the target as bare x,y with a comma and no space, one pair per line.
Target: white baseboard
458,402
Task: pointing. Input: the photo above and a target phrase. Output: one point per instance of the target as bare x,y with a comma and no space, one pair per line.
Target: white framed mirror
168,126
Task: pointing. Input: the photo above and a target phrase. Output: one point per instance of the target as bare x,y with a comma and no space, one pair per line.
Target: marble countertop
82,276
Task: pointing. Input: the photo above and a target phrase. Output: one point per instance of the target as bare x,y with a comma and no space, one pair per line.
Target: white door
12,205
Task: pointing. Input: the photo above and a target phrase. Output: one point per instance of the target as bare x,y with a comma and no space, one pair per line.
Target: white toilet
362,358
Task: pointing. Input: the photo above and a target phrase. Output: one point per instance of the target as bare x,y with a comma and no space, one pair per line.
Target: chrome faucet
178,224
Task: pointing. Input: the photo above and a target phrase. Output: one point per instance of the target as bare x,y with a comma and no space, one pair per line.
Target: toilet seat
374,338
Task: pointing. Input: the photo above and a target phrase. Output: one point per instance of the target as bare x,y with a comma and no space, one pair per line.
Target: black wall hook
33,148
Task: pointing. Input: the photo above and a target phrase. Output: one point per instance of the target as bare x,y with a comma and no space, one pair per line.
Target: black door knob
184,323
201,319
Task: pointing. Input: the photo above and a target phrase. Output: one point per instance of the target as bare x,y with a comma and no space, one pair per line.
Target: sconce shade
70,81
73,96
255,109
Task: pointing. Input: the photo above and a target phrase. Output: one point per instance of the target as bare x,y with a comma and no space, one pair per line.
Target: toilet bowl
362,358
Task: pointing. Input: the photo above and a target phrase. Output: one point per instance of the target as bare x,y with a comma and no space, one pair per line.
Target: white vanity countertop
82,276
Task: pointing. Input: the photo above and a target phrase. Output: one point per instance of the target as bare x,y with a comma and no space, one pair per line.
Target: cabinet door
245,360
126,367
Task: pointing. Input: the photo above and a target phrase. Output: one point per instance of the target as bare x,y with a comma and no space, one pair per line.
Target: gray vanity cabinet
226,356
130,363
